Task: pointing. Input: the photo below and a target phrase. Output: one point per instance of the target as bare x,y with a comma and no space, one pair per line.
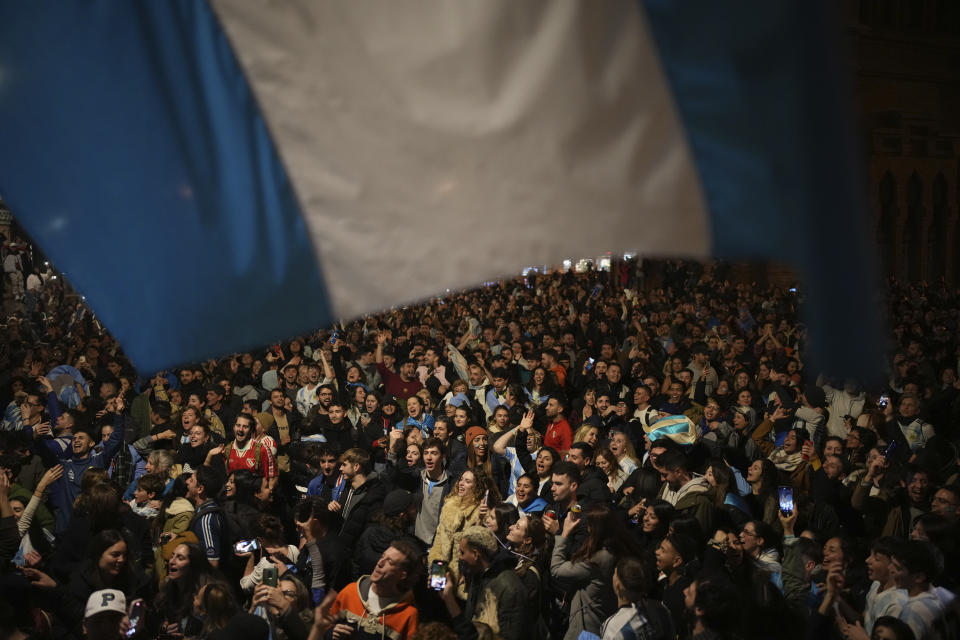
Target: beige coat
455,516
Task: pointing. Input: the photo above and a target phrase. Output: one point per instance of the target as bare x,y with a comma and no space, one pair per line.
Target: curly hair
482,484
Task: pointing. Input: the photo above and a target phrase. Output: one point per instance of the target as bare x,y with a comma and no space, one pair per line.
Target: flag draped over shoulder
215,175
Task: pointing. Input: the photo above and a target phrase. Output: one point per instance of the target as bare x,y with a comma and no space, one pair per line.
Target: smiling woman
106,566
187,570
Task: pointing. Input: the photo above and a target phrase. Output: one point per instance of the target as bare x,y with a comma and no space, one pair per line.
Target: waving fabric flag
678,428
213,176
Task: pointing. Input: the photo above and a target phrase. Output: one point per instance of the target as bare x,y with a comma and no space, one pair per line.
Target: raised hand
49,477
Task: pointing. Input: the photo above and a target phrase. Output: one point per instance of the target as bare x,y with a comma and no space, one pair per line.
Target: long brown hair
532,552
219,606
604,531
101,503
611,459
486,466
724,479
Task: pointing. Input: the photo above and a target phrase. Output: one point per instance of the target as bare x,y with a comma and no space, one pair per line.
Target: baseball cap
397,501
105,600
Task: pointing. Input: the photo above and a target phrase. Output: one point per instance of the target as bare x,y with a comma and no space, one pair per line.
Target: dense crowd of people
644,452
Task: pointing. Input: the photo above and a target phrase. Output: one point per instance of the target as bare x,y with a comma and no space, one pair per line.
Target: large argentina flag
216,175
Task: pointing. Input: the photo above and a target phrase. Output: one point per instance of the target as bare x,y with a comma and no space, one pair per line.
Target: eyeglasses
752,534
32,404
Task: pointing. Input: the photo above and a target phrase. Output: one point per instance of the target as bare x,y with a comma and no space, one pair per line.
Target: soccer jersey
516,469
558,436
246,459
922,611
882,603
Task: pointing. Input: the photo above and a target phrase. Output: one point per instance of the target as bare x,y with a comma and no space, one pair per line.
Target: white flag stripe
433,144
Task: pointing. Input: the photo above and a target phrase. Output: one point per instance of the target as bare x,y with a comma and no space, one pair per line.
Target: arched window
913,229
936,235
887,225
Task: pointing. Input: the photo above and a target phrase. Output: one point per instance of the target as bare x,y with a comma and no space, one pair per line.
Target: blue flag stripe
765,107
136,156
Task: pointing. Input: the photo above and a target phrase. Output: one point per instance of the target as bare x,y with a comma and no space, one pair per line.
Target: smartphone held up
785,496
438,575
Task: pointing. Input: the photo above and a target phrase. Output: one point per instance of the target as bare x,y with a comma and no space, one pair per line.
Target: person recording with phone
890,509
906,427
494,590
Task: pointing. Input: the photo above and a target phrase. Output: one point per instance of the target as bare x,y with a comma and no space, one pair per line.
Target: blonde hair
628,451
162,460
583,431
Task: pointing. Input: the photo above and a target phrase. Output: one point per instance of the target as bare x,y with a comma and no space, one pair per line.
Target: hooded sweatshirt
692,497
396,620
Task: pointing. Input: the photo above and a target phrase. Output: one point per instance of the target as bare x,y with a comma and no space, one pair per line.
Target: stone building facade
906,60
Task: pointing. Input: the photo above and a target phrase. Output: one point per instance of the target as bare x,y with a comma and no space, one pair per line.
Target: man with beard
686,492
247,453
558,434
163,432
190,383
365,360
317,418
605,416
703,373
402,385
